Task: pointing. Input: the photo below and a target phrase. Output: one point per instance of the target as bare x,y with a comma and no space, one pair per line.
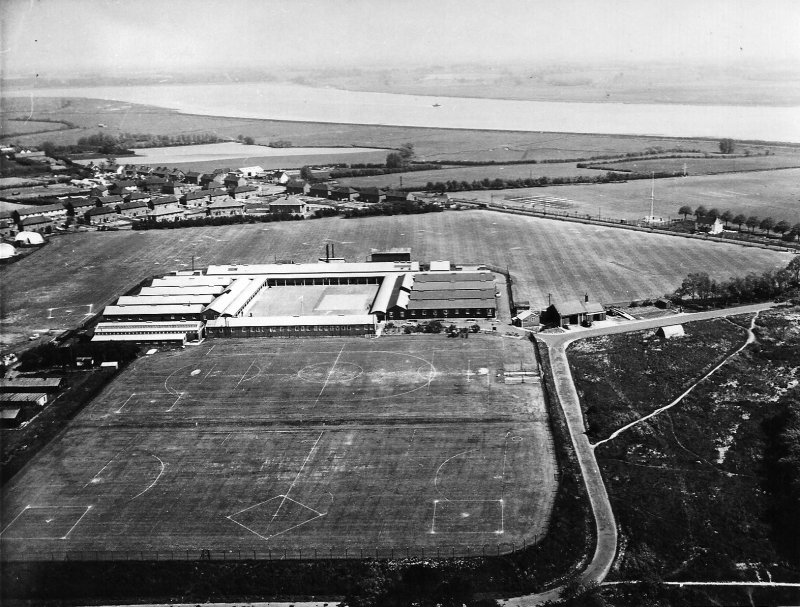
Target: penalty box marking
499,531
85,510
69,310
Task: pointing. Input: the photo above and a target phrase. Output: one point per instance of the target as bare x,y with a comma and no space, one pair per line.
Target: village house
99,190
254,171
287,205
164,202
176,175
396,196
244,192
210,181
217,195
344,193
100,215
192,177
232,180
152,183
161,215
138,196
297,187
53,211
320,190
222,208
137,208
79,206
174,187
112,199
122,187
374,195
198,198
711,225
43,225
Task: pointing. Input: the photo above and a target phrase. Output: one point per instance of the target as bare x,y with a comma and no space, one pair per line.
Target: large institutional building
296,300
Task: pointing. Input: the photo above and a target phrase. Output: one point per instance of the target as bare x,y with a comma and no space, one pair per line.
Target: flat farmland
707,166
58,286
265,444
768,193
418,179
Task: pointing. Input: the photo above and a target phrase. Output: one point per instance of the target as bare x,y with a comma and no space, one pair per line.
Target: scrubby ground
697,489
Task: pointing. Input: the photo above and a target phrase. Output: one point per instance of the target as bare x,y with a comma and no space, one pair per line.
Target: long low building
163,300
292,326
30,384
157,313
193,280
322,269
154,339
191,290
190,328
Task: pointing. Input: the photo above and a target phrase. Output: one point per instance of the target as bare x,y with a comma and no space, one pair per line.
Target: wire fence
284,553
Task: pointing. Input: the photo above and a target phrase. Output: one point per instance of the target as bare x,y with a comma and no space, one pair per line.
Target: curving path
605,524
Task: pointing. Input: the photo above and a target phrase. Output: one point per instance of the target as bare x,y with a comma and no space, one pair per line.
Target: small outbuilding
7,251
30,239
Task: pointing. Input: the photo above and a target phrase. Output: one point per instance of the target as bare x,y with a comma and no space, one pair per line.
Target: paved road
606,547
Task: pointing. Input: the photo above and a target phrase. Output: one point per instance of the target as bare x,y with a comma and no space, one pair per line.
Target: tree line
698,287
766,224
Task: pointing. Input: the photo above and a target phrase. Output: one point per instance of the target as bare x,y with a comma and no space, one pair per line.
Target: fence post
331,552
269,553
315,552
345,552
408,552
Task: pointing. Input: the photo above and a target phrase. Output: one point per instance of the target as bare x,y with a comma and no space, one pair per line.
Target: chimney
586,297
333,251
327,251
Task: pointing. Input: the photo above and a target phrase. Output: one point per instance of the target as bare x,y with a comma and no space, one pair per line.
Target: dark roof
109,199
575,306
81,202
196,195
217,192
454,294
372,191
294,183
42,208
138,196
101,211
449,304
245,188
32,221
707,220
345,189
133,204
164,200
321,187
123,183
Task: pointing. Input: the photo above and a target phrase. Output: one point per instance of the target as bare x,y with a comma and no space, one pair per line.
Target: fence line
278,553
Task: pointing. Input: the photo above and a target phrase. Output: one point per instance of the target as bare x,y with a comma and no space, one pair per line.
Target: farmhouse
344,193
575,312
320,190
371,195
711,225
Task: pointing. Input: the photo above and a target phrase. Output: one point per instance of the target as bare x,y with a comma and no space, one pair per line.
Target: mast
652,193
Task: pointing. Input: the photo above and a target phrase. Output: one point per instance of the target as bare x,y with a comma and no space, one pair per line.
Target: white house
711,225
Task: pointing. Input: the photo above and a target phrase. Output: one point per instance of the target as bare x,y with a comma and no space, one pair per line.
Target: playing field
58,286
321,300
263,444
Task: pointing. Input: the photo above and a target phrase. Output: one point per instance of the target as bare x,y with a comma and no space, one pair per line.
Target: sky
117,37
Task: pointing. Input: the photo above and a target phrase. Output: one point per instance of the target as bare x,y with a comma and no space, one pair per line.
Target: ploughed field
76,275
264,445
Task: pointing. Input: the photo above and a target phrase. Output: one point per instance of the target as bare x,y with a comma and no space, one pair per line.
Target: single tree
739,220
394,160
700,211
305,173
767,224
685,210
796,230
782,227
726,146
752,223
406,152
249,140
794,269
726,216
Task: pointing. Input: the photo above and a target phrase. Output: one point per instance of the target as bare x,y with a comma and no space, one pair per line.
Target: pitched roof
133,204
100,211
244,188
164,200
32,221
217,192
43,208
575,306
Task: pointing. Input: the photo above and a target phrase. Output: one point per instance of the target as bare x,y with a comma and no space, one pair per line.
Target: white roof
7,250
188,290
224,301
524,314
163,300
293,321
153,310
342,268
673,331
440,266
29,237
191,281
166,326
142,337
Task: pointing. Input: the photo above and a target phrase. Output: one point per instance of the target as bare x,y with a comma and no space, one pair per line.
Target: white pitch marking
439,469
286,495
103,468
245,526
126,402
296,526
304,506
14,519
76,522
209,371
330,372
209,350
175,403
252,362
151,485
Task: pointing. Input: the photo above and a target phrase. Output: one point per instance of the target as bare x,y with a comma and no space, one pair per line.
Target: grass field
257,444
78,274
769,193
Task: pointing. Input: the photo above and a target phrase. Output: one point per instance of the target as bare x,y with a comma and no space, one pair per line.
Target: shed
29,238
670,331
7,251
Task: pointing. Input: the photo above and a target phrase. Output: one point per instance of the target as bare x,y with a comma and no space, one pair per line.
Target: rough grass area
692,488
621,378
53,288
705,166
265,445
